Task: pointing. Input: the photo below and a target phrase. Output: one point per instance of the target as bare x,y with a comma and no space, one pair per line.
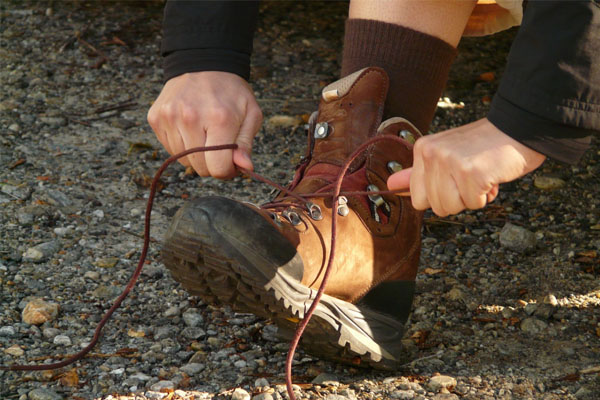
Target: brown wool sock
417,65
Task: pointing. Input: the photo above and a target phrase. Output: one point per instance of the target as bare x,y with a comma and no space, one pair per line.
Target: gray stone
530,308
335,397
193,333
58,198
43,394
160,385
153,395
54,122
584,394
263,396
261,382
98,214
240,394
516,238
192,318
141,376
192,368
50,333
544,311
93,275
548,182
445,396
326,379
403,394
171,311
62,231
41,252
240,364
437,383
533,326
7,331
106,292
163,332
62,340
21,192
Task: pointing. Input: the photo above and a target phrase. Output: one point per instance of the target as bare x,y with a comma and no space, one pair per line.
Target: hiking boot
270,260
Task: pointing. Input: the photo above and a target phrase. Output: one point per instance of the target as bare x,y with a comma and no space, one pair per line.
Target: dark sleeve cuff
196,60
561,142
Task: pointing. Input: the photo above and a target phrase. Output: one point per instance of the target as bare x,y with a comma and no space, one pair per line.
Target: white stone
62,340
437,383
98,213
240,394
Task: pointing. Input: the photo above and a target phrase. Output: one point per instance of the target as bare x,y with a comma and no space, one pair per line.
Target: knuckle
426,149
152,117
168,112
219,115
189,115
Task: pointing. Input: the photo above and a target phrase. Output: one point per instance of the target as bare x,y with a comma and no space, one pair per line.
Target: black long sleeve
549,96
208,36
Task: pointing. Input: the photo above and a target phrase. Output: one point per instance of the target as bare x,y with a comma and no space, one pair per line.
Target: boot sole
211,265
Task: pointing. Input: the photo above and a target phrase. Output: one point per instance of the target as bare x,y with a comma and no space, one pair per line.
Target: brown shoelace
300,200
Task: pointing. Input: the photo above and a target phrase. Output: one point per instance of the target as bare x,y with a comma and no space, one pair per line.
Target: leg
443,19
414,41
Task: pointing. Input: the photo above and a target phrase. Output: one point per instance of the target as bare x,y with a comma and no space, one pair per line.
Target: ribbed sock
417,65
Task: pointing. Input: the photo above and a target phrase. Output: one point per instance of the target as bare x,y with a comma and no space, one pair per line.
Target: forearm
208,36
549,96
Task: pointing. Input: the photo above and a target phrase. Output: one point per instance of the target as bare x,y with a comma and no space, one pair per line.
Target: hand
207,108
461,168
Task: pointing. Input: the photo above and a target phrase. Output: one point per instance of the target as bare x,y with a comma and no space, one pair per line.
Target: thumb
400,180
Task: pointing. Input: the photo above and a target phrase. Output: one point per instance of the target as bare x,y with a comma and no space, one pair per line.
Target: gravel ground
508,302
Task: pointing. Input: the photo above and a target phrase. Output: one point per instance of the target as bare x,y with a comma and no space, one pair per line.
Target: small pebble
62,340
43,394
14,350
160,385
7,331
516,238
437,383
192,368
192,318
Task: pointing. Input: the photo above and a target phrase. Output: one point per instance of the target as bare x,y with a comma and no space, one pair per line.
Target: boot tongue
349,114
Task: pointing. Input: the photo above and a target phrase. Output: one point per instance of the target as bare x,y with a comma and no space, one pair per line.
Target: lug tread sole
205,272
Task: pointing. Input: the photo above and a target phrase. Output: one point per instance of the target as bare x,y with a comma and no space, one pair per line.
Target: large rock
516,238
38,311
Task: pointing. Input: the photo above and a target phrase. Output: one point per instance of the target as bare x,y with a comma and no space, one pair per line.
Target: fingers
223,129
400,180
207,108
444,181
248,130
418,191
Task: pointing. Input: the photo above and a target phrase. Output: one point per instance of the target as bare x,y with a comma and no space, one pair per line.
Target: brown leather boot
270,261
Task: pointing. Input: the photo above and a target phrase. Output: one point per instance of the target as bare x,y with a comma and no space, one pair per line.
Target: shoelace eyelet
342,208
314,211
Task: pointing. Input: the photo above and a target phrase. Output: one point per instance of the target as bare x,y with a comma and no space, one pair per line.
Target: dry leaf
17,163
487,77
69,378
